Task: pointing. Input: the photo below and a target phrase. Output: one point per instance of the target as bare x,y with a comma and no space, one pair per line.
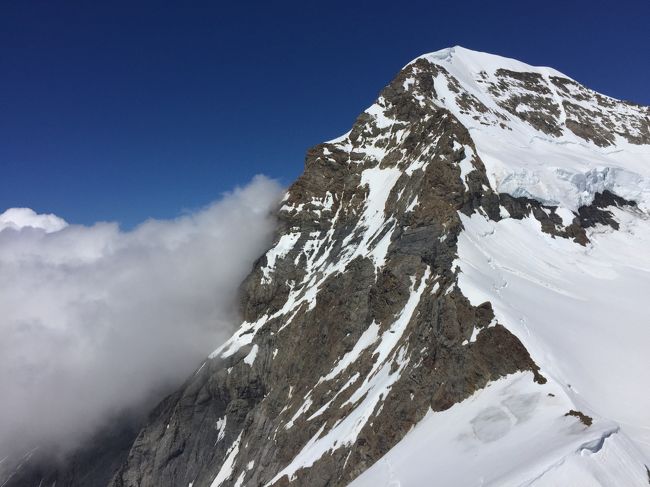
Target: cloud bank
95,321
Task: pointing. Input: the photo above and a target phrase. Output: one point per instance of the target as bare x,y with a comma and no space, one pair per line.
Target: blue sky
128,110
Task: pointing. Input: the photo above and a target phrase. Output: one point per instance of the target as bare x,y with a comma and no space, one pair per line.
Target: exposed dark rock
601,126
584,419
94,464
587,216
597,213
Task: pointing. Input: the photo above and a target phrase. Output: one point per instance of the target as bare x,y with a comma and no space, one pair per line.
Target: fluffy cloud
95,320
18,218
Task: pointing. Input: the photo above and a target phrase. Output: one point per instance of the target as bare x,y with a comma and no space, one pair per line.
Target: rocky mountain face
355,324
94,464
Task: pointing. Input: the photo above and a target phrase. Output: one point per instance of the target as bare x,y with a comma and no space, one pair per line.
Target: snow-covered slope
509,434
542,135
581,311
456,292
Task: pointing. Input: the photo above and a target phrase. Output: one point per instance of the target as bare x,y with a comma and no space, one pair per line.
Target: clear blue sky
127,110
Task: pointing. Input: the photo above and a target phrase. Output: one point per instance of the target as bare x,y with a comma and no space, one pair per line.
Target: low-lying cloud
95,321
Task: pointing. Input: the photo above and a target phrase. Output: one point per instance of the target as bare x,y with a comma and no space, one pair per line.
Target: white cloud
94,320
18,218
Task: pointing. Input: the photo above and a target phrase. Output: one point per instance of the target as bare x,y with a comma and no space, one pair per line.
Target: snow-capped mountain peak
406,278
564,142
456,291
467,63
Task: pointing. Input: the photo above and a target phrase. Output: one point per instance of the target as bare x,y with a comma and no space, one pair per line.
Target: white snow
301,410
346,431
580,311
250,358
221,426
512,433
380,182
412,204
243,336
522,161
391,337
466,165
369,336
377,112
566,215
227,467
281,249
240,480
374,389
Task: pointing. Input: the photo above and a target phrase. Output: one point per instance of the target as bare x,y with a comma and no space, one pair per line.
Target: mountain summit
455,294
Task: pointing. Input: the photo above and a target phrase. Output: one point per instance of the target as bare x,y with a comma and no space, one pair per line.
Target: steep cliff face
354,324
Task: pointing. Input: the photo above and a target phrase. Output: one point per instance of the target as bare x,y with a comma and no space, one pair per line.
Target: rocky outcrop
503,205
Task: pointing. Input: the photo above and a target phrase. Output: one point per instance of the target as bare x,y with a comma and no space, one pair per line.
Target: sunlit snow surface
582,312
512,433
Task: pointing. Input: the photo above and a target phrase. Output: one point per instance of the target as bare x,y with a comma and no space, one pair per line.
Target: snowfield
581,312
512,433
